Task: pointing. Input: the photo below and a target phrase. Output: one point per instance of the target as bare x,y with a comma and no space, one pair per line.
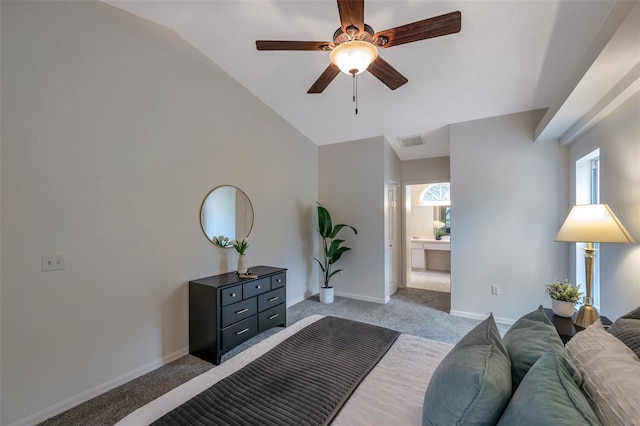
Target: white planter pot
242,264
563,309
326,295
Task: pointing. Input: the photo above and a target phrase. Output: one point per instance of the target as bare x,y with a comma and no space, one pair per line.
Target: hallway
430,280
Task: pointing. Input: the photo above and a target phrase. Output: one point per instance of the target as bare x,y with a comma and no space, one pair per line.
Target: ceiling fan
355,45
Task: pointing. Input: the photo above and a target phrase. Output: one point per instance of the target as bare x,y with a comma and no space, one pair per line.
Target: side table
565,326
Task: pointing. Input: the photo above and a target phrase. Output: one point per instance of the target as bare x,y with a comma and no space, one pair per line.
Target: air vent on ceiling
411,141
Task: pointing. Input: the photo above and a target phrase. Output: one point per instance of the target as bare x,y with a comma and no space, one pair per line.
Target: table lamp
591,223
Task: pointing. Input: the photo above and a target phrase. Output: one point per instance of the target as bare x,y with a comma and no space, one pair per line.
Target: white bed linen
392,393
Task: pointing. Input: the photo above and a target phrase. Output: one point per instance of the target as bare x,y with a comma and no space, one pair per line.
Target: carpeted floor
430,280
412,311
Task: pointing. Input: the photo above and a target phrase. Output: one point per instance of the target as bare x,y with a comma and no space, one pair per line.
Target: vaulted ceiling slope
510,56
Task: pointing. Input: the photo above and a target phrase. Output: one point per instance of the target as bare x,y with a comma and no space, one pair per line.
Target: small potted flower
241,246
564,297
438,229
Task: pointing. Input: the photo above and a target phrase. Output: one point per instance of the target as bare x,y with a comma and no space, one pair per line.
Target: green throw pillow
627,329
548,396
528,339
472,384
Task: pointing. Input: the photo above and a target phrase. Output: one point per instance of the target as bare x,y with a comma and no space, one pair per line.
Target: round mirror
226,211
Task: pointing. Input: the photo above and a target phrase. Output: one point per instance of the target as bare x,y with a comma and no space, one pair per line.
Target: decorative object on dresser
564,297
226,310
332,251
591,223
241,247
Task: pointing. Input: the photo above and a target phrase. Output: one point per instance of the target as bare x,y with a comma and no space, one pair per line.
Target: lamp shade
353,57
593,223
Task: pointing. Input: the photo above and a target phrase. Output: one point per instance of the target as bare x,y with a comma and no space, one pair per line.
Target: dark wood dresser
226,310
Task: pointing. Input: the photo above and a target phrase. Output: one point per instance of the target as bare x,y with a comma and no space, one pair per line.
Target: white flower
438,225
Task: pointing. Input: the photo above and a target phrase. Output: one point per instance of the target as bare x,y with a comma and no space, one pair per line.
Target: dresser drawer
256,287
272,317
231,295
239,311
278,280
272,298
239,332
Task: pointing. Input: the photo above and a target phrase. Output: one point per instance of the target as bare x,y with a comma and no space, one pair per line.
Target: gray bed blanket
304,380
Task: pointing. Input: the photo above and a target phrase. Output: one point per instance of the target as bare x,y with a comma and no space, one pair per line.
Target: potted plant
438,229
564,297
241,246
332,251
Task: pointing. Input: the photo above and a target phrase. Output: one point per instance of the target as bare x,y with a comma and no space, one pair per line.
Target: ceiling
510,56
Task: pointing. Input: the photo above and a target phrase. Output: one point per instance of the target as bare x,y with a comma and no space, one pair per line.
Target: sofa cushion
548,396
611,374
627,329
532,336
472,384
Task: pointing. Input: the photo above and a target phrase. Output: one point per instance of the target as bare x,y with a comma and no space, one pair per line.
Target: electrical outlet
495,289
52,262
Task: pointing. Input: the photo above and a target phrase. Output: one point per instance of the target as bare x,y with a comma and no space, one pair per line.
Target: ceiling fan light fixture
354,57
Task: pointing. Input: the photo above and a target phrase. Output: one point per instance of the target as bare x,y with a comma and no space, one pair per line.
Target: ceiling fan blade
293,45
325,78
386,73
428,28
351,13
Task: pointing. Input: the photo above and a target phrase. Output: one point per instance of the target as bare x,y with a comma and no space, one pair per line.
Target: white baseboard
359,297
291,302
473,315
69,403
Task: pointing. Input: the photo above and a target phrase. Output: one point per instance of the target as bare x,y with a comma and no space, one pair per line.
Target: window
588,192
436,194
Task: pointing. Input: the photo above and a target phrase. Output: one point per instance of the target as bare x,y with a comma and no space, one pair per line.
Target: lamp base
587,315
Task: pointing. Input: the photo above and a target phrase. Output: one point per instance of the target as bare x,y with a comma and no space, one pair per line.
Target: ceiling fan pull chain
355,90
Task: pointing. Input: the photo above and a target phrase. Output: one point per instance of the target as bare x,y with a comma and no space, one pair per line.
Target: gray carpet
412,311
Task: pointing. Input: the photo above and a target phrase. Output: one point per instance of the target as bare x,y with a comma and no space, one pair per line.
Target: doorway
428,237
392,241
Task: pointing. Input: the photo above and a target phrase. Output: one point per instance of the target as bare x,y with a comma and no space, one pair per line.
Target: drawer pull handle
242,311
258,287
274,316
233,295
242,331
279,280
273,299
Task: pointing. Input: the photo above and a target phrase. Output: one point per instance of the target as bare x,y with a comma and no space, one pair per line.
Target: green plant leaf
319,263
324,222
333,273
335,244
337,229
338,254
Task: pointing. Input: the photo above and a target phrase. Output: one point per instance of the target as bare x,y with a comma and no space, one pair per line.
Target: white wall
113,131
426,170
509,198
351,185
618,137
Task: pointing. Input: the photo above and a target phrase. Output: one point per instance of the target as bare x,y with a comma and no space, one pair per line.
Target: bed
525,377
392,393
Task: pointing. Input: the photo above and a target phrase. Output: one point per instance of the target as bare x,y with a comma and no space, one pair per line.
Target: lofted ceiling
510,56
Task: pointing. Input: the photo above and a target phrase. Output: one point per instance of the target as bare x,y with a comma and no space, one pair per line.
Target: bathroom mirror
226,211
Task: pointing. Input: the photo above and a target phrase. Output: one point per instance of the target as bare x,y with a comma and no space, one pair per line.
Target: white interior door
393,240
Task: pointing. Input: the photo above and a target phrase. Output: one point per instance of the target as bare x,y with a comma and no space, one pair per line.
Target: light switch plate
52,262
